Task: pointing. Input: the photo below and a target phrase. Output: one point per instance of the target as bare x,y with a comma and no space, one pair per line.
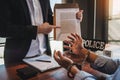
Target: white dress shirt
38,46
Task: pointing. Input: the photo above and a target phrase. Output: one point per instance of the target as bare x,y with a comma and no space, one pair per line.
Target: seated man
100,63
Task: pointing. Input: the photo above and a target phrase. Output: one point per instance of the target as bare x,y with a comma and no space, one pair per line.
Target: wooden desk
9,73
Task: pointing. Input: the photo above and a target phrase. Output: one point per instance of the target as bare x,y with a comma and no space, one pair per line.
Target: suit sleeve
10,28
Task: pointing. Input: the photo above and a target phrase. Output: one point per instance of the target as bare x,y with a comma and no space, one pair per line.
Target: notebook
42,62
45,62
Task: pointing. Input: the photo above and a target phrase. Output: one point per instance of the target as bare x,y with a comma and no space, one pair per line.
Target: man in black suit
20,29
25,24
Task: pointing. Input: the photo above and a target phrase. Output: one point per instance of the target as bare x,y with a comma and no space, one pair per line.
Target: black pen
43,60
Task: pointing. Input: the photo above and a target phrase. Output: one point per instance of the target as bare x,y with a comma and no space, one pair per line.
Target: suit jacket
15,26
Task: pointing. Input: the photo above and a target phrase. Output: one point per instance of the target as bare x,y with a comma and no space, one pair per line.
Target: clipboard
68,11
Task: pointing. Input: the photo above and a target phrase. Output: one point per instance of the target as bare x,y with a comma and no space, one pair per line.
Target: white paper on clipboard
66,19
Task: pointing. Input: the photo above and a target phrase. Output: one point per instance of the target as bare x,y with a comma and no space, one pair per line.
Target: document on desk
66,19
42,62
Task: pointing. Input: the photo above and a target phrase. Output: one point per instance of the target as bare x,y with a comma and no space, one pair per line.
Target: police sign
94,45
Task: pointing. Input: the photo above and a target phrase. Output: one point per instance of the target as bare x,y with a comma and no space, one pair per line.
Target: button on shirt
38,46
104,64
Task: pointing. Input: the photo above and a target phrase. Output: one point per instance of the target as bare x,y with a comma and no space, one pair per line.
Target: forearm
101,63
91,56
81,75
74,70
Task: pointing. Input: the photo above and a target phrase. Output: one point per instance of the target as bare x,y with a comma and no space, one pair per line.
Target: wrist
91,56
86,53
73,69
39,29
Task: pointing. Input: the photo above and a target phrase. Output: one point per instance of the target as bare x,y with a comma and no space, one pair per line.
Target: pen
43,60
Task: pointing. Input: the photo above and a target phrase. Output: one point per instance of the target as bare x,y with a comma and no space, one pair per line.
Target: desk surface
9,73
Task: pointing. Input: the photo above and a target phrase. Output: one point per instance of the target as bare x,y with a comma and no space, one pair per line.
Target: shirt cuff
82,75
101,61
